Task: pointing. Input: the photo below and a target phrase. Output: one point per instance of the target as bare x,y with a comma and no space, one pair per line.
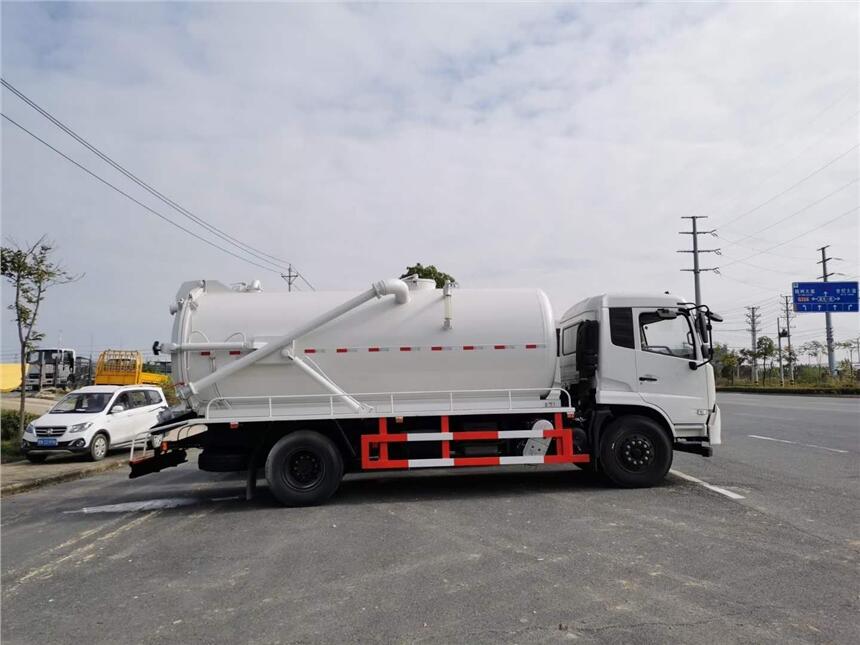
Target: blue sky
553,146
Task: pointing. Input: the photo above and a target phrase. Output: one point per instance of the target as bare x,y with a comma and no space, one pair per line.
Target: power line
793,186
244,247
813,229
136,201
798,212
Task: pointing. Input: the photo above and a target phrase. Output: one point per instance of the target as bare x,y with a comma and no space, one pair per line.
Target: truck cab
638,370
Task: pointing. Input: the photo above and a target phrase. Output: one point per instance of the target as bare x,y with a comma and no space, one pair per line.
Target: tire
36,458
222,462
635,452
99,446
304,469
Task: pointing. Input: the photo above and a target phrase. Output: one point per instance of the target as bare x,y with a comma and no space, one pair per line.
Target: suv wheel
99,446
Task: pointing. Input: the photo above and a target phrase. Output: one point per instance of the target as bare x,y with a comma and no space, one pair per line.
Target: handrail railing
555,395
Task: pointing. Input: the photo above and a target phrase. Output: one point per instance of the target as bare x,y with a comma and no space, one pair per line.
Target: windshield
82,403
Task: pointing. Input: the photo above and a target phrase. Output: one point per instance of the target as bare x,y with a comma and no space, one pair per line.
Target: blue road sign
814,297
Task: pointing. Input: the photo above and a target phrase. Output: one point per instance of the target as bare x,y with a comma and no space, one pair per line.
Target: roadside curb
95,469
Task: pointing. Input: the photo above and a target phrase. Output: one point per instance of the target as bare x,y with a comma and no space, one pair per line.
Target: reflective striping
523,434
531,459
430,463
403,348
429,436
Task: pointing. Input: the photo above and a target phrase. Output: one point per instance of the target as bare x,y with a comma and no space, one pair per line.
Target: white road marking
796,443
152,504
716,489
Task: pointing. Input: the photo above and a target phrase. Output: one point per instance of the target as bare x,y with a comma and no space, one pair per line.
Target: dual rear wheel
304,468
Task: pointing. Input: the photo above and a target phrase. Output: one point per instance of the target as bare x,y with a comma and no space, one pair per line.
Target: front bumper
715,427
74,445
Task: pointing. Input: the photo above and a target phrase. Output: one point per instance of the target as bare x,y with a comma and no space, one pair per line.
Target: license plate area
46,442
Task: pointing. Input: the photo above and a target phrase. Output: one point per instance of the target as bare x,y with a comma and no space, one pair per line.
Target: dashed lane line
716,489
796,443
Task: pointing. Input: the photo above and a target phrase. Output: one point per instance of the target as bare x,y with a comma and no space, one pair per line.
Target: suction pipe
397,288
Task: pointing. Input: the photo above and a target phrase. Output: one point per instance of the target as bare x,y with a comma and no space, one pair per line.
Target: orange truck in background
125,367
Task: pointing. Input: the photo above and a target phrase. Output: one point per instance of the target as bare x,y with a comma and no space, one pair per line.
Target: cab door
665,347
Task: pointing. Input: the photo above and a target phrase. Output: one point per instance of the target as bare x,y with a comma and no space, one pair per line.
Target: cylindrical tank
500,339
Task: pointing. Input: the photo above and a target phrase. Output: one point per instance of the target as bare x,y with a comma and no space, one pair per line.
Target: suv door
665,346
119,423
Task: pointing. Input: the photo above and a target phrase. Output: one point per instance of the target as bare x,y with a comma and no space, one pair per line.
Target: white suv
92,420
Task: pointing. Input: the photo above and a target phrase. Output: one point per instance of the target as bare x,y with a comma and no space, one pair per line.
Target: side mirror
587,344
119,407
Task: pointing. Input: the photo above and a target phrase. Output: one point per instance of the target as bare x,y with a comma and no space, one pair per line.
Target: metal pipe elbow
397,288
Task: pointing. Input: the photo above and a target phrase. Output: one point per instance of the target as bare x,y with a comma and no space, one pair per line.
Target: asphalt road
520,555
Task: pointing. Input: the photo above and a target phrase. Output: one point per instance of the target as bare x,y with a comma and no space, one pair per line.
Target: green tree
814,349
429,272
31,271
765,349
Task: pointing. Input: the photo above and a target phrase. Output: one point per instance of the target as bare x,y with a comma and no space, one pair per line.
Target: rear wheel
635,452
304,469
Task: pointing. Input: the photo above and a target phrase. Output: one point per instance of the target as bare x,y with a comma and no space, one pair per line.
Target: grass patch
849,390
10,450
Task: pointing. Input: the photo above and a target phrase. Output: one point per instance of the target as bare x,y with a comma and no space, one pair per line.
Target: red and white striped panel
564,452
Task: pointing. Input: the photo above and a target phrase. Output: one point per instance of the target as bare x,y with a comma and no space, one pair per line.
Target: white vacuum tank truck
310,385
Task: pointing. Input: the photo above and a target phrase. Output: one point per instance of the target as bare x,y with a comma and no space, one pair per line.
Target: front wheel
635,452
304,469
98,447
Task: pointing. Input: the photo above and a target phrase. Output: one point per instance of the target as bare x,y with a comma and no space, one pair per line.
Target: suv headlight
80,427
30,429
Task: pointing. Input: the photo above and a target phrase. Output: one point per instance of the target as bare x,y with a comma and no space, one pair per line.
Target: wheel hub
304,469
636,453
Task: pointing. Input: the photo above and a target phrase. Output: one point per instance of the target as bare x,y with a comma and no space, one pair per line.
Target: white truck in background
53,367
310,385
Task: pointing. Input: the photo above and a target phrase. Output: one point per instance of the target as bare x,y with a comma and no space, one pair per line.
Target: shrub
9,423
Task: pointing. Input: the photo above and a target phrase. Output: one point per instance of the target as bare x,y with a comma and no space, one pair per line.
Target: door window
568,340
669,336
153,397
137,398
122,400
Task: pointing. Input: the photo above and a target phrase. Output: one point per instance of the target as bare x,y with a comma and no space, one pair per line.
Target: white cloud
553,146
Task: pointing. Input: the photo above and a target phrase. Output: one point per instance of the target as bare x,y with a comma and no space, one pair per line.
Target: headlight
30,429
80,427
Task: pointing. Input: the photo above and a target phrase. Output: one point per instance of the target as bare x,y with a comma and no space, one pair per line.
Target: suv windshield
82,403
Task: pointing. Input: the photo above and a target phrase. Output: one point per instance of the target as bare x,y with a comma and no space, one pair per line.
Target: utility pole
779,334
290,276
831,356
696,270
753,318
787,331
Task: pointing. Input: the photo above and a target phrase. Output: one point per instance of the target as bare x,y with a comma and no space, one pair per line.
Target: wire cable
791,239
792,187
136,201
244,247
